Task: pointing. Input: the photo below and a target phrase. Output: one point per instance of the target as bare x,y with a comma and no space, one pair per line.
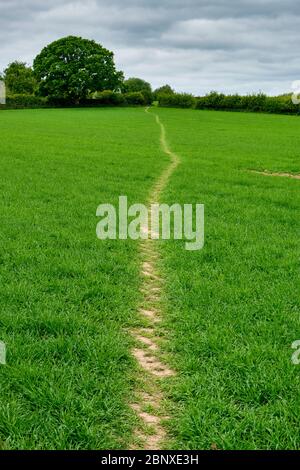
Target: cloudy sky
194,45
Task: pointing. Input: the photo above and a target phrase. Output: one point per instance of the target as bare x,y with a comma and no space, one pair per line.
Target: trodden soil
150,433
282,175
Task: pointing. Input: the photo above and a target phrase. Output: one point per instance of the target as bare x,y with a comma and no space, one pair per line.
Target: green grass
234,307
67,298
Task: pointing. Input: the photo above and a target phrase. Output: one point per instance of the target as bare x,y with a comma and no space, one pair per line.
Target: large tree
72,67
19,78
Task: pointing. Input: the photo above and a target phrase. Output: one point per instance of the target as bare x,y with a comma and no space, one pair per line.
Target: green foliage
135,98
177,100
132,85
107,98
136,84
71,68
213,100
97,99
163,90
19,79
251,103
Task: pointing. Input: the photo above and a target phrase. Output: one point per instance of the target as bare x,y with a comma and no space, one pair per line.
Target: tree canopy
19,78
72,68
134,85
163,90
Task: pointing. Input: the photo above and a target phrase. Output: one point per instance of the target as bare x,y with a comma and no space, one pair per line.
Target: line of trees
76,71
73,71
258,102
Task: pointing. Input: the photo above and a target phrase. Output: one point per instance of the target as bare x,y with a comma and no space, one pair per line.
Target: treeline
213,101
72,72
78,72
252,103
218,101
104,98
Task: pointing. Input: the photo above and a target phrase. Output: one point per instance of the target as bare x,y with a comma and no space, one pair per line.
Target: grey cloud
195,45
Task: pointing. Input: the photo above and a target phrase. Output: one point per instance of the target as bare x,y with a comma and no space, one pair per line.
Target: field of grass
234,307
67,299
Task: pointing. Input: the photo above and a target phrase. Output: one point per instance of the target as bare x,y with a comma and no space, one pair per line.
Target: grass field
67,299
234,306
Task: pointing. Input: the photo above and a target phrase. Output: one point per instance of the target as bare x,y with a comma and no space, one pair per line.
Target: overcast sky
194,45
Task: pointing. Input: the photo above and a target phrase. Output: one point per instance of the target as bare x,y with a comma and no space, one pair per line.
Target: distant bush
134,98
135,85
282,104
163,90
24,101
216,101
177,100
213,100
104,98
97,99
148,96
251,103
107,98
19,79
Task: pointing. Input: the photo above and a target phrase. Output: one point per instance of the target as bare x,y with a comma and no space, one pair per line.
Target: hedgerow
251,103
24,101
177,100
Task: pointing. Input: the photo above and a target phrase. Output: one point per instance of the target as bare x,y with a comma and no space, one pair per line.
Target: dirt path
150,433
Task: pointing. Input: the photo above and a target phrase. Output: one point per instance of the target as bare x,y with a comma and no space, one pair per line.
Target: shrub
107,98
19,79
251,103
135,98
255,102
25,101
134,85
163,90
148,96
213,100
177,100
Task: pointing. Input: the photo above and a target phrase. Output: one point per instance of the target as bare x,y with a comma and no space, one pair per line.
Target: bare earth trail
282,175
149,405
